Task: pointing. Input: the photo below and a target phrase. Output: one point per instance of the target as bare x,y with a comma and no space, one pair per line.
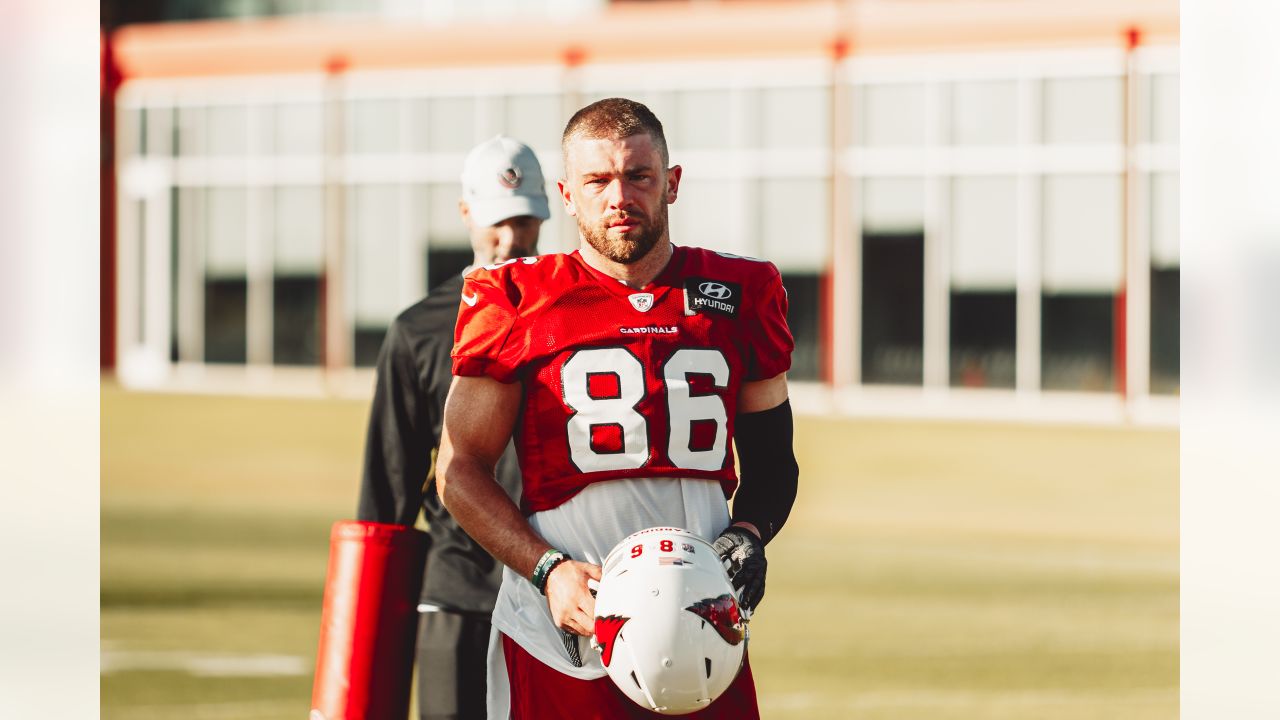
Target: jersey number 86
684,409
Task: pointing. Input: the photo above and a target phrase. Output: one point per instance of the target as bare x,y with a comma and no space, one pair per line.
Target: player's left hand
743,556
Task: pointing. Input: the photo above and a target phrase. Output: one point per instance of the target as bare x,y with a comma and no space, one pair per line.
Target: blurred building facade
964,198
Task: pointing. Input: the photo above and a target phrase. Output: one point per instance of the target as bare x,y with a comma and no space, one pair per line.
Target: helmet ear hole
635,680
708,667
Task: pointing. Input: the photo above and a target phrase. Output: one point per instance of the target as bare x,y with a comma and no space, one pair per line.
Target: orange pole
1133,37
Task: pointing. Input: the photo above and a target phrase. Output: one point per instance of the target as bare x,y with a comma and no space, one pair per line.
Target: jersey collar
668,278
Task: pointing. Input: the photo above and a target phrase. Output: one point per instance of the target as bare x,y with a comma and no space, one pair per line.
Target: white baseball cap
501,179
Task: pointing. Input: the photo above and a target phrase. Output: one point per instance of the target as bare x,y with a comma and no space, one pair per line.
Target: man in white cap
503,205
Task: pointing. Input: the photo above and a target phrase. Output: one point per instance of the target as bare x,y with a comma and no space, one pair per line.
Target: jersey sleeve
768,338
487,319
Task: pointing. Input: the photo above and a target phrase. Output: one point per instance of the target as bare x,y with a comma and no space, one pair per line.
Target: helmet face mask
668,625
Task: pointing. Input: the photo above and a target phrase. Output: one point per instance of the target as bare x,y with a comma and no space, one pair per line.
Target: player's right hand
573,607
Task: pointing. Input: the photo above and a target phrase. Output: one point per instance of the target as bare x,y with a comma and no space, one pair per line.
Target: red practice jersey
619,382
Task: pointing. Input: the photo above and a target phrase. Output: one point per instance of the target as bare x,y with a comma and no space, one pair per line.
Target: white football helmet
668,626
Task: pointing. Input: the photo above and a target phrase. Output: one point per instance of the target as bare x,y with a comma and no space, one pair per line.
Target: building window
892,115
226,276
984,113
893,308
445,244
1165,275
1083,110
798,117
983,299
373,127
444,125
691,224
227,130
297,129
702,121
373,217
794,235
298,234
189,131
1081,274
534,120
892,281
1164,110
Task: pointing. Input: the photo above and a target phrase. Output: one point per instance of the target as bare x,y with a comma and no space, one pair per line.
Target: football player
627,370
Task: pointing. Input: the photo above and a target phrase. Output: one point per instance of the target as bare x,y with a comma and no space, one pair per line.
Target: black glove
743,556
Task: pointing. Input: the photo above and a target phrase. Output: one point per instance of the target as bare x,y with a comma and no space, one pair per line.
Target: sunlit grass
936,570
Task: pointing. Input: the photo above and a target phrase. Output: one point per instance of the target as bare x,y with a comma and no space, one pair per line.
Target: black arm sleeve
769,475
397,453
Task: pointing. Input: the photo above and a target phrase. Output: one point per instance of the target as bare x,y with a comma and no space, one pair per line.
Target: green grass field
929,570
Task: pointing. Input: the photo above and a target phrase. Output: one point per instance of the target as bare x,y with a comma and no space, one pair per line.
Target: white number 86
619,410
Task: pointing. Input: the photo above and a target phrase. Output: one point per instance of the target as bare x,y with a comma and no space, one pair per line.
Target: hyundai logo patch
714,290
712,296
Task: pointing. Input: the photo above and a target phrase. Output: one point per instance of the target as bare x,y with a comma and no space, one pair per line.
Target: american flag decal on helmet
722,613
606,631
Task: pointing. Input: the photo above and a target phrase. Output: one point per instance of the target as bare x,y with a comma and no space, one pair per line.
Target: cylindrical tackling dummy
368,630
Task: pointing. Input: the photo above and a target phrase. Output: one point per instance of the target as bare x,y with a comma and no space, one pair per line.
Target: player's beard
629,248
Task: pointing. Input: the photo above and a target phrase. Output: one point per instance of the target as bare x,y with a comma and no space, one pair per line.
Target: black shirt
414,372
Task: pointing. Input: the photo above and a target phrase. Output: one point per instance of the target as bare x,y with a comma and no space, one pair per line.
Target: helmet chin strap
743,611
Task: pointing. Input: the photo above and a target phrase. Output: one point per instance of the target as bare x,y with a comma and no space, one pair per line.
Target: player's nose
619,195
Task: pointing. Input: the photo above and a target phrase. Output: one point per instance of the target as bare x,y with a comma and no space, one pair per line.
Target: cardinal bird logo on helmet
722,613
606,630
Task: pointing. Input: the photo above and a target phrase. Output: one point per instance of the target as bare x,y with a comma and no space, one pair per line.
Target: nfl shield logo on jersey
641,301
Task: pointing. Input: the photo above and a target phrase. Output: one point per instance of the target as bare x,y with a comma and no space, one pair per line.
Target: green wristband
549,560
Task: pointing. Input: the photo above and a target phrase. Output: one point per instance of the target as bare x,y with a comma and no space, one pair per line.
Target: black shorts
452,648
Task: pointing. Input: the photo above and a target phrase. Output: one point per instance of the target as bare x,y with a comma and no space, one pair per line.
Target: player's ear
566,197
673,182
465,211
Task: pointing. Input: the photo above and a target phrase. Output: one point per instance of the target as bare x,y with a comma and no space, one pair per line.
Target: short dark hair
615,119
